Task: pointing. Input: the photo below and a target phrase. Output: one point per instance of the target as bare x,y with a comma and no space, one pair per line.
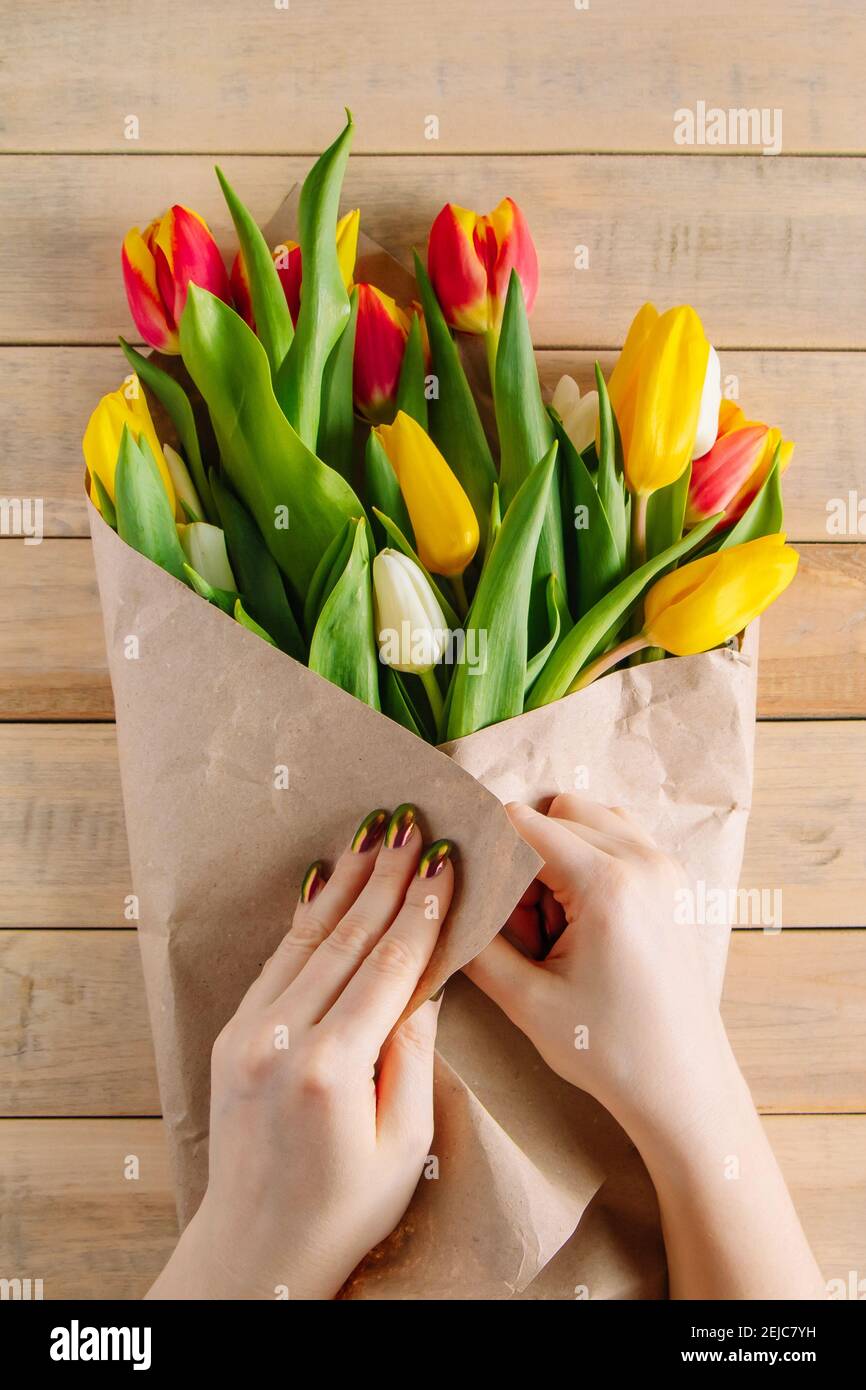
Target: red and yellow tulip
470,259
718,475
125,406
380,344
287,259
174,251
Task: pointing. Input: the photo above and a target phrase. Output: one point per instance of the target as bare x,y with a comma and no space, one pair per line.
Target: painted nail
369,832
400,825
434,857
438,995
313,881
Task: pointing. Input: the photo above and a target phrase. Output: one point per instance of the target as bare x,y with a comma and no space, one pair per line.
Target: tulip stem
607,660
639,505
461,602
491,343
434,695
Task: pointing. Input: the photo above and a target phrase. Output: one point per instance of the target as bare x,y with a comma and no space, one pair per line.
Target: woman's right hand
621,1005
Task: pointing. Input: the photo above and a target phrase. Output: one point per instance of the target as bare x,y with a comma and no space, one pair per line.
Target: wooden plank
75,1040
52,654
779,387
771,251
63,859
512,79
73,1220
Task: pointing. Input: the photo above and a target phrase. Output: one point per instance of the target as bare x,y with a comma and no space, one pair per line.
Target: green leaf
175,401
396,535
256,571
144,516
106,506
224,599
250,624
765,513
343,649
525,438
576,648
336,443
271,470
608,481
270,310
328,571
499,613
324,301
382,489
411,395
599,562
536,664
455,424
397,705
666,513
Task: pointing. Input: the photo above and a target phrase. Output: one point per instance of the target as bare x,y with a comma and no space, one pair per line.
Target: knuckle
306,933
321,1068
395,955
351,936
390,869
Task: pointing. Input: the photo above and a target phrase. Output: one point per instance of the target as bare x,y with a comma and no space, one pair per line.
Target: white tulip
205,549
410,625
711,399
183,484
579,414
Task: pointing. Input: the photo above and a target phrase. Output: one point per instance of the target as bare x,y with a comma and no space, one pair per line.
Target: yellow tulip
442,518
125,406
622,387
705,603
667,402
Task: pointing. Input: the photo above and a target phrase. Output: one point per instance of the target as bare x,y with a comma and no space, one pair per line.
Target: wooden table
570,108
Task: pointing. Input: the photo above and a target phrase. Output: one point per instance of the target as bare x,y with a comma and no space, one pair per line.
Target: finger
509,978
525,929
585,811
569,859
379,991
322,902
331,966
404,1094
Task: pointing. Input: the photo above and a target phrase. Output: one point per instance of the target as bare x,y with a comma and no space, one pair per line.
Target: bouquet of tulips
344,502
413,570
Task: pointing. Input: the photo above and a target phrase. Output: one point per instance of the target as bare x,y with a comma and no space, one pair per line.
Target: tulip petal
142,293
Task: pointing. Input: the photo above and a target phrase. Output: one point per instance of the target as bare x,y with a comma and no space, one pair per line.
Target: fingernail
313,881
400,825
369,832
438,995
434,857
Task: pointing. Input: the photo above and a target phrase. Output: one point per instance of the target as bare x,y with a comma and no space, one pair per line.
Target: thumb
405,1086
510,979
569,860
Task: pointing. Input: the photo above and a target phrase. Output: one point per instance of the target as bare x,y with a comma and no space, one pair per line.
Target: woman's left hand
319,1132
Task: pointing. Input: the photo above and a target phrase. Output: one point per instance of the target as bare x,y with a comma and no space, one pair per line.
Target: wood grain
771,251
62,385
72,1219
52,654
542,77
63,858
75,1040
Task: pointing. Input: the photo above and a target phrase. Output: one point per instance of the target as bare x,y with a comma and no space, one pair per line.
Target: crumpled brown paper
537,1188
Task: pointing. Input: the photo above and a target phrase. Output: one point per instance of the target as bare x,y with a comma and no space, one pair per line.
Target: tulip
287,259
184,487
380,342
622,387
470,259
579,414
711,400
756,479
205,548
410,626
718,475
445,526
125,406
707,602
667,404
174,251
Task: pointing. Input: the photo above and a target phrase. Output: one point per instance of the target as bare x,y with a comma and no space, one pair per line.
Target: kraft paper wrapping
538,1193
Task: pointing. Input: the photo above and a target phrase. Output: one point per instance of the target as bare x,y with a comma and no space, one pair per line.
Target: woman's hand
318,1136
621,1004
